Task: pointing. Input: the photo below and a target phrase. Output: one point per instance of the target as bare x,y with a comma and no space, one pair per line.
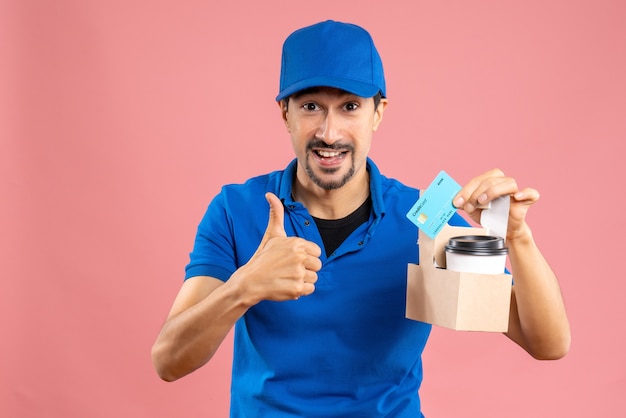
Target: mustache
319,144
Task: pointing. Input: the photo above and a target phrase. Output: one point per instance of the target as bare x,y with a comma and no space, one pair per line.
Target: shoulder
278,182
387,183
404,197
395,190
396,186
237,199
253,189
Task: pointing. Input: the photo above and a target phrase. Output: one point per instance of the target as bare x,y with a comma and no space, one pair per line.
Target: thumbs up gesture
276,223
282,268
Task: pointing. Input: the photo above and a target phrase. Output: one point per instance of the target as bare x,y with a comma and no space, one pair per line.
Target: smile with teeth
328,154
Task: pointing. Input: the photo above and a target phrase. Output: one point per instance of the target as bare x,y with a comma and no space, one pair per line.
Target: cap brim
356,87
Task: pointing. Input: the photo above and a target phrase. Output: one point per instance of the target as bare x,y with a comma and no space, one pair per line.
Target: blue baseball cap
331,54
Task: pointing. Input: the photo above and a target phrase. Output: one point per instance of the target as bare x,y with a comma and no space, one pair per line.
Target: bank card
434,208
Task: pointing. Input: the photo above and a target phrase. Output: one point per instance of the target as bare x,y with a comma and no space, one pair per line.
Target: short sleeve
213,251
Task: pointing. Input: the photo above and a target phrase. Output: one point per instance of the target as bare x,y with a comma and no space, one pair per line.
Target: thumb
276,222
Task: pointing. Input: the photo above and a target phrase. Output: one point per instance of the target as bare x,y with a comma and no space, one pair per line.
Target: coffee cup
484,254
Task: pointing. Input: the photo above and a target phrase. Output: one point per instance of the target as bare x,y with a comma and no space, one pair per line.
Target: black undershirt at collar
335,231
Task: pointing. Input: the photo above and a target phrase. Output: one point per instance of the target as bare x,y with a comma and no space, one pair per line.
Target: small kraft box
457,300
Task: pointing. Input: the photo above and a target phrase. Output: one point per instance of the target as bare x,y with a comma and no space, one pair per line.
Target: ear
282,104
378,114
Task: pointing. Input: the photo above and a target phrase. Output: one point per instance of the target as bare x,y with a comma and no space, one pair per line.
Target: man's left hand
491,185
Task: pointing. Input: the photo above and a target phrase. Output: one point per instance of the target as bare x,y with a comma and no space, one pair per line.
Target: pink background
120,120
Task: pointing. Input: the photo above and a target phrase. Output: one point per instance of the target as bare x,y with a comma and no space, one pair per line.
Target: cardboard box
459,301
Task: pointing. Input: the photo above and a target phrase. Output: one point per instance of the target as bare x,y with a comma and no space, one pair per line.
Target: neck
332,204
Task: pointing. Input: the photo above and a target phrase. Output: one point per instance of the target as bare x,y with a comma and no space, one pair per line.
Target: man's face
331,133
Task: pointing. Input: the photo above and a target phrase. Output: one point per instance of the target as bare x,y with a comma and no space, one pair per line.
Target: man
316,291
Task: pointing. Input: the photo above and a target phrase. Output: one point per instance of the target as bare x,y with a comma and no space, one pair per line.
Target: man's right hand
282,268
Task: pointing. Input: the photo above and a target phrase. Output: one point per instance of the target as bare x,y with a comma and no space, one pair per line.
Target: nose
329,130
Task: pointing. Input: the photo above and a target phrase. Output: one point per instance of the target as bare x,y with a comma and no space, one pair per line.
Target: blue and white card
434,208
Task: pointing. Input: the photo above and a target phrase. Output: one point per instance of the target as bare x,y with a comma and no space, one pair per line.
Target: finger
313,249
466,192
303,289
476,195
491,189
306,247
310,277
527,195
307,288
276,222
312,263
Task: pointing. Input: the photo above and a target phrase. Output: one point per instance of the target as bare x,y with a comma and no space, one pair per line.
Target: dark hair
377,98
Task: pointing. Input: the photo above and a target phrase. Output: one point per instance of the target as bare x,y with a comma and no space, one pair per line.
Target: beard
328,185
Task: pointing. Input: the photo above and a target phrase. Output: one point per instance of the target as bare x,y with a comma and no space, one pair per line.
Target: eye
310,106
351,106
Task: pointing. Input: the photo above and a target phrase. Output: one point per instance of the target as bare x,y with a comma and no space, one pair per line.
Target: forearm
189,339
538,318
